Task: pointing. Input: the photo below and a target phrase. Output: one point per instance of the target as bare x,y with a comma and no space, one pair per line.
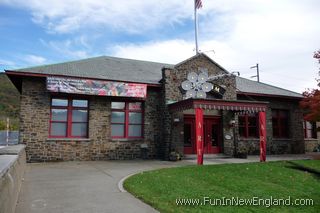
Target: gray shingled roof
104,67
120,69
249,86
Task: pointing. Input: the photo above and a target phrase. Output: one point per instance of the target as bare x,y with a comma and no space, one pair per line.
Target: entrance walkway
82,187
92,186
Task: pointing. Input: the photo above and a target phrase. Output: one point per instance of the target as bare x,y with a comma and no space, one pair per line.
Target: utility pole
258,74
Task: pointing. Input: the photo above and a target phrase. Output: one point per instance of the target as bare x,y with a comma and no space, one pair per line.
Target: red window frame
246,126
69,120
280,123
310,133
126,123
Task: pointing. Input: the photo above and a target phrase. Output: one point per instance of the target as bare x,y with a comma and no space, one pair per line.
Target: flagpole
196,26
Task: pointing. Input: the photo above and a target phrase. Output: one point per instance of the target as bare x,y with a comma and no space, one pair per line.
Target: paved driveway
92,186
82,187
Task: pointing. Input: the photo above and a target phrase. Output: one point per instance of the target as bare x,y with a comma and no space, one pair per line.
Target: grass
161,188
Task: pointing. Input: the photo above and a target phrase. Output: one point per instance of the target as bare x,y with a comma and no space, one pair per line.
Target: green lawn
161,188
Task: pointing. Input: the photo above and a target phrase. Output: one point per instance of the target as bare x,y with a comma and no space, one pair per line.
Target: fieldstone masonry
34,129
161,133
294,143
172,79
173,133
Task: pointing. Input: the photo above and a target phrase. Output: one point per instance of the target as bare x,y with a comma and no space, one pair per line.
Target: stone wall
34,128
171,80
294,143
12,168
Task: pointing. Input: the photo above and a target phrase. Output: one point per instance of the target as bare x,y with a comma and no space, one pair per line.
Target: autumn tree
311,101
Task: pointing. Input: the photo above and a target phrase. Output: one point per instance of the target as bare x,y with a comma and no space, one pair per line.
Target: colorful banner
96,87
199,135
263,136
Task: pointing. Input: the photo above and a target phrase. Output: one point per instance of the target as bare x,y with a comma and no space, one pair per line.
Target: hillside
9,102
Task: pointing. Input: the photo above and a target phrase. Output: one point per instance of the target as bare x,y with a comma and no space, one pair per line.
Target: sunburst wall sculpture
197,85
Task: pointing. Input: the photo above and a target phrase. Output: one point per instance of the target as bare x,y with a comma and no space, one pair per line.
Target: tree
311,101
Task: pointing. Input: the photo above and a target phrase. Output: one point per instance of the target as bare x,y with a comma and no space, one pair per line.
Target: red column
263,135
199,135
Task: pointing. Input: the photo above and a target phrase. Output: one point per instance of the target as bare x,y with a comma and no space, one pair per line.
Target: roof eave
269,95
43,75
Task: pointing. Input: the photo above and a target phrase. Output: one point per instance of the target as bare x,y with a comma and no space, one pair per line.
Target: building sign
96,87
218,89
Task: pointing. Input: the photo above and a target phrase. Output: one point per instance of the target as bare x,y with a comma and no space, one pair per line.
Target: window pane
117,117
80,103
59,114
58,129
274,121
252,131
59,102
135,106
309,125
242,131
283,123
79,115
135,117
284,132
283,114
252,121
79,129
274,113
242,120
117,130
134,130
275,131
118,105
309,134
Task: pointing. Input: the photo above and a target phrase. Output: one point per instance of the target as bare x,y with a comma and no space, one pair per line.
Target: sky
279,35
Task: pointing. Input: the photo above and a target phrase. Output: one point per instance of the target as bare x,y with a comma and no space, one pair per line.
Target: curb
120,183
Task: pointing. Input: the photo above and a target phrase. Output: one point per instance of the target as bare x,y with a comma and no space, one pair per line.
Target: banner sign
96,87
199,135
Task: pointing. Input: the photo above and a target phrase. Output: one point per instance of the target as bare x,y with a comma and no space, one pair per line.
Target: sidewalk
92,186
82,187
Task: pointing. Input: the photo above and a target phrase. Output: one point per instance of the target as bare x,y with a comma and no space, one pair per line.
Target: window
248,126
69,118
310,129
280,123
126,120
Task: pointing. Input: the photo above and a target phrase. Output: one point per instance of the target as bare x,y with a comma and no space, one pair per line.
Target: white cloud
34,59
4,62
171,51
132,16
68,48
280,35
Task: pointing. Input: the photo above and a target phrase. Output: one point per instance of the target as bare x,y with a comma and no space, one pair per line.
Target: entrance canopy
237,106
217,104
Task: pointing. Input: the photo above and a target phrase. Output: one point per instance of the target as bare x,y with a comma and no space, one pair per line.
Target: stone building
112,108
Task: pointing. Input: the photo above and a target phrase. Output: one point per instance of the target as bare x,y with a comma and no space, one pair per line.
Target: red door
211,133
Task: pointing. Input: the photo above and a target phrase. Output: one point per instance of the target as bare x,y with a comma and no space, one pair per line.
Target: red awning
217,104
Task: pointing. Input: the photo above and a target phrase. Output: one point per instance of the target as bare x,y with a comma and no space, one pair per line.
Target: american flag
198,4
